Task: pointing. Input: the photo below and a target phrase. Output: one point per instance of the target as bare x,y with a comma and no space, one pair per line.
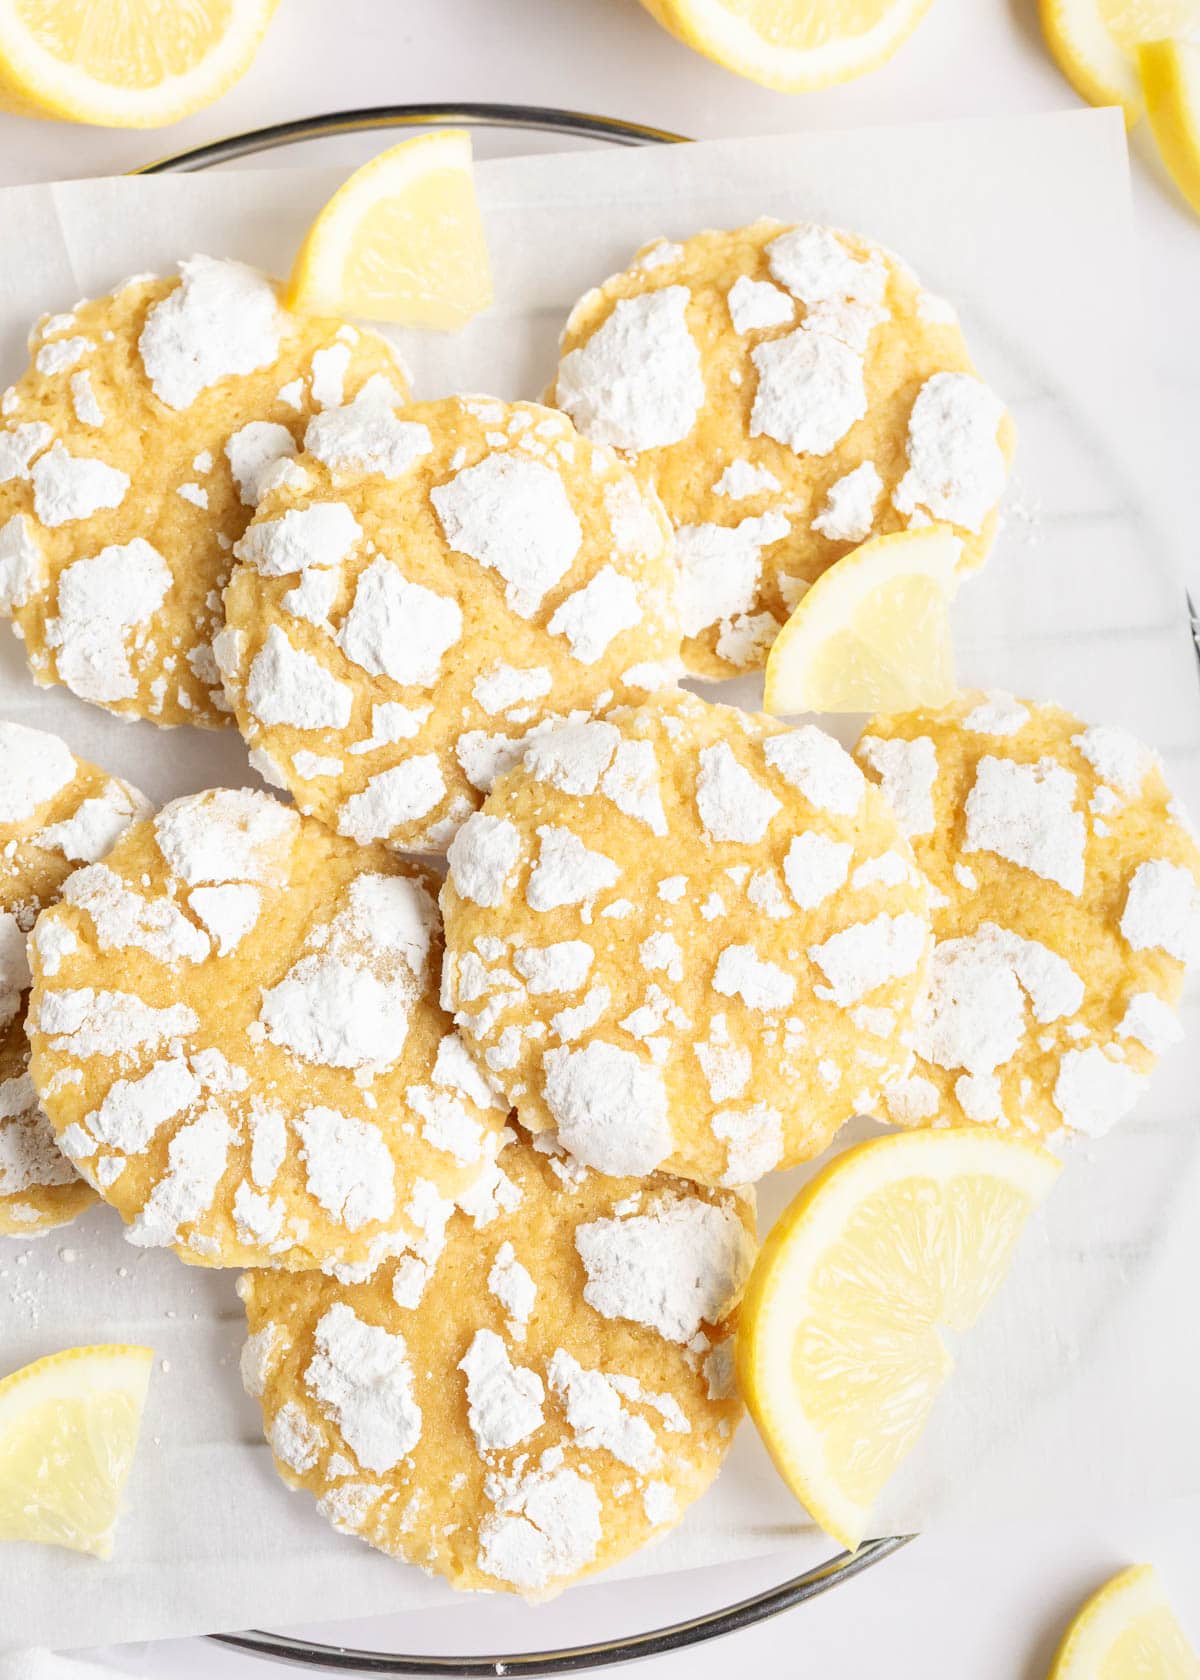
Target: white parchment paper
1083,1383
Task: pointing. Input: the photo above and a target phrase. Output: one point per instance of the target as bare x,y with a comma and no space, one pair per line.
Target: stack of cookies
483,1143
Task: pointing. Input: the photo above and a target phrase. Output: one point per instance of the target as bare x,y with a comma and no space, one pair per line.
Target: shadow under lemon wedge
402,240
839,1356
873,632
792,45
138,64
1126,1631
68,1433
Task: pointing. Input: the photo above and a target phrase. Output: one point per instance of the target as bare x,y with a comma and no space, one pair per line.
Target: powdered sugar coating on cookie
709,976
56,813
788,393
236,1037
527,1411
1067,902
406,621
113,551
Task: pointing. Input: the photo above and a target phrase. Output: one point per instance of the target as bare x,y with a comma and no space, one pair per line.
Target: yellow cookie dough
236,1035
1066,892
544,1396
434,588
686,936
132,453
56,812
789,392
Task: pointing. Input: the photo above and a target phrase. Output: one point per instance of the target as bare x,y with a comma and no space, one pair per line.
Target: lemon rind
316,281
709,28
826,608
1170,76
1095,1628
774,1294
1088,56
35,83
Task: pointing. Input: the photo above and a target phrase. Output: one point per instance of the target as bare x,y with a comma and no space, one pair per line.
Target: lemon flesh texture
1096,42
401,241
871,635
841,1355
792,45
1170,73
68,1434
133,64
1126,1631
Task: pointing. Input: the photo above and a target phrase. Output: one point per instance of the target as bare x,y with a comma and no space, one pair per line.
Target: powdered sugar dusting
513,516
637,382
1026,813
609,1106
361,1376
675,1268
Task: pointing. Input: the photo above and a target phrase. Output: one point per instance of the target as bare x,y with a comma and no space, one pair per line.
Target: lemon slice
401,241
132,64
1126,1631
1095,43
68,1432
1170,72
792,45
873,632
838,1355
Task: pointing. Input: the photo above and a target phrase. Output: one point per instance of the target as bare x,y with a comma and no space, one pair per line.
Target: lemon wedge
68,1432
401,241
132,64
1095,43
873,632
839,1358
1170,72
1126,1631
792,45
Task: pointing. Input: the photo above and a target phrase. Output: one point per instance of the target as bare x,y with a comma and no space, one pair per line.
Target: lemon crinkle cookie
56,814
547,1395
1066,892
686,936
236,1035
789,392
429,591
132,453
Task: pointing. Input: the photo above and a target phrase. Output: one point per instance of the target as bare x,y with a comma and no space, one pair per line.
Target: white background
988,1605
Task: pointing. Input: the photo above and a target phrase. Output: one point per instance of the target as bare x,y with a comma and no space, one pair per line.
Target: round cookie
686,936
546,1397
131,455
789,392
56,812
236,1035
1066,892
434,588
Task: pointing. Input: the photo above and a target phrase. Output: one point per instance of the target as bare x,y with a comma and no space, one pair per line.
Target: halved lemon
838,1355
792,45
873,632
1126,1631
124,63
68,1432
401,241
1170,72
1095,43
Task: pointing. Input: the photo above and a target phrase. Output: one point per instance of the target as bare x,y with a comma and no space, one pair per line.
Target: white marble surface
984,1604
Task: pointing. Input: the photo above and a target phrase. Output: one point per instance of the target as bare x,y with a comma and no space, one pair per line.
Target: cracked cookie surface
789,392
1066,905
533,1403
132,453
686,936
